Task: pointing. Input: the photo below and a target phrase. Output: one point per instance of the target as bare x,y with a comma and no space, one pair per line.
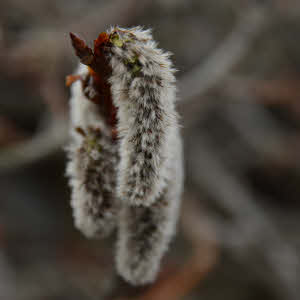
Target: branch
232,50
252,226
46,142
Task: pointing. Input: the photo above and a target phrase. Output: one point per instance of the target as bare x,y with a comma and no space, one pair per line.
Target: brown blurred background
239,98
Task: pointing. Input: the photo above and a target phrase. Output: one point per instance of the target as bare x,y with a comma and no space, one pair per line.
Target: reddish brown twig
97,79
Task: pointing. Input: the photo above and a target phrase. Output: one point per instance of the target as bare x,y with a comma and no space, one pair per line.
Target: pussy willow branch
142,177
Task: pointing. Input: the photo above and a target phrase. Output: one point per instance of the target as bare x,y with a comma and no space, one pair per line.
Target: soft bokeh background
239,89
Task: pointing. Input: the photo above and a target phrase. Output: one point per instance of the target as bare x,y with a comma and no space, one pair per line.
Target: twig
256,125
43,144
253,226
232,50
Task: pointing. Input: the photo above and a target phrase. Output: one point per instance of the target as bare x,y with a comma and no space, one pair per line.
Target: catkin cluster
127,174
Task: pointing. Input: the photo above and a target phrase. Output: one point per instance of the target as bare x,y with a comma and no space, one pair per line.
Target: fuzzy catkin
145,231
93,158
136,181
150,170
142,85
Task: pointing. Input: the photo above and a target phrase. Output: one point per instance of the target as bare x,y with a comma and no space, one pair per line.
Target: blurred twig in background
232,50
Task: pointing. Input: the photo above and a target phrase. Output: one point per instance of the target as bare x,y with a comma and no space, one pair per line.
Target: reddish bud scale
101,41
70,79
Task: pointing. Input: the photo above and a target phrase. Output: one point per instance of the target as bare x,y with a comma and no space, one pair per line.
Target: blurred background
239,99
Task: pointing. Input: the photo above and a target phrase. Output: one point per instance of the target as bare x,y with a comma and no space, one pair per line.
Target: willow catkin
145,231
92,165
150,173
141,178
142,85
